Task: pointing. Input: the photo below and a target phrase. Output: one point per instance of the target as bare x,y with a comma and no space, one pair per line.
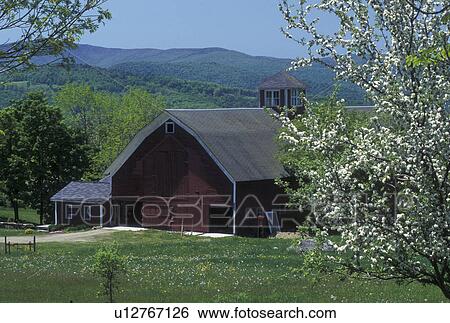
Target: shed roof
241,141
282,80
96,192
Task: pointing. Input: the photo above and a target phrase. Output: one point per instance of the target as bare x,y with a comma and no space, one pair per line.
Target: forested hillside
178,93
189,78
217,65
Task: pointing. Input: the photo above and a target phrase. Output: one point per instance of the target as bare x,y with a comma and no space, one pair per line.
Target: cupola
281,90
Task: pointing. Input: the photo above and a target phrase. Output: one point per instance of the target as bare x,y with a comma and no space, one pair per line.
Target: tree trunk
110,291
445,290
15,206
41,212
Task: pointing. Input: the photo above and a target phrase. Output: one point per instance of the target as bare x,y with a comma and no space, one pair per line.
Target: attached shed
82,202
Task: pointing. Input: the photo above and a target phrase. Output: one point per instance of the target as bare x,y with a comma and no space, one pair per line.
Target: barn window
170,127
87,214
72,211
295,97
272,99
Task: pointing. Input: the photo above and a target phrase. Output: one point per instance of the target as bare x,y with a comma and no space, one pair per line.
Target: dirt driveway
84,236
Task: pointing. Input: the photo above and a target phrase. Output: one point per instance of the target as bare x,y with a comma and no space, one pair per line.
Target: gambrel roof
242,142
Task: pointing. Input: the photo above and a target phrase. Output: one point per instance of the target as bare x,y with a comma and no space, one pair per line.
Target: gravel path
84,236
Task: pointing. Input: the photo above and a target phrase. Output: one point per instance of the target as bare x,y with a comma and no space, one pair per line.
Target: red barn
204,170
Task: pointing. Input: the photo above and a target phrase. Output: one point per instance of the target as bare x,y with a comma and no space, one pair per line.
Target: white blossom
402,224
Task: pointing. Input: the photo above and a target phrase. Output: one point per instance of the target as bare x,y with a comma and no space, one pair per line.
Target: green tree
108,265
13,175
46,27
52,155
106,121
86,111
136,109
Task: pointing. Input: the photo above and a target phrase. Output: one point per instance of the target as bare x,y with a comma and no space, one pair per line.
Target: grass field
25,215
165,267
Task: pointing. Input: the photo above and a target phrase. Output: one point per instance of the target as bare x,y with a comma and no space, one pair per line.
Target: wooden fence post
5,246
34,243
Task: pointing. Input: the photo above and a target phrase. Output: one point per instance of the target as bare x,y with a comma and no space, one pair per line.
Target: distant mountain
107,57
217,65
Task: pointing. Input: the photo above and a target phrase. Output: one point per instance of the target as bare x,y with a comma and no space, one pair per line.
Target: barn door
172,168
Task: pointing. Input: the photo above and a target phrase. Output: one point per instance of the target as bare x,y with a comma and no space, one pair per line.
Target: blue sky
250,26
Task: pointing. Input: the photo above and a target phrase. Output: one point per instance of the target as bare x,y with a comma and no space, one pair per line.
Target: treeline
238,77
247,74
43,145
179,93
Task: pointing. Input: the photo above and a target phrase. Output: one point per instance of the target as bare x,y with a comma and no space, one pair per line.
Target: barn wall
61,208
252,195
268,196
166,166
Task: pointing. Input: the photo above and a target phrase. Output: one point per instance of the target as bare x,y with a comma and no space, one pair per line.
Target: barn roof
96,192
281,80
241,141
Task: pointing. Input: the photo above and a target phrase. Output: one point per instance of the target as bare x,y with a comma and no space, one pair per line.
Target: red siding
167,165
267,195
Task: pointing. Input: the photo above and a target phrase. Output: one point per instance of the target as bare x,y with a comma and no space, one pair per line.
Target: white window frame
295,97
270,99
172,124
89,208
69,211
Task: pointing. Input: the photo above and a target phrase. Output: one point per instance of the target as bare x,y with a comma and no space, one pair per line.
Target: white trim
208,151
138,139
89,208
56,213
167,124
101,215
218,109
234,207
272,98
156,124
71,207
297,97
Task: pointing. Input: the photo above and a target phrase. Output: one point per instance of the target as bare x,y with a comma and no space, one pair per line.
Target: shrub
55,227
108,264
29,231
76,228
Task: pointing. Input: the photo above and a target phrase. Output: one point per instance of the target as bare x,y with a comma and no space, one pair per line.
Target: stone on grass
309,245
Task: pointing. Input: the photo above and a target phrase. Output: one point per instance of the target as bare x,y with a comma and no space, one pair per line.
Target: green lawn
165,267
25,215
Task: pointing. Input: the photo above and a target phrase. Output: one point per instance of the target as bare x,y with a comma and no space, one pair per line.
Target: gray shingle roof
281,80
83,191
241,141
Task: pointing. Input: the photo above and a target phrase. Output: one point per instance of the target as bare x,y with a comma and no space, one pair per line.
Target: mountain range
226,69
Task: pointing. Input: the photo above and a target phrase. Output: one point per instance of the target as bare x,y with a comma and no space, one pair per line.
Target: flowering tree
384,185
45,27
